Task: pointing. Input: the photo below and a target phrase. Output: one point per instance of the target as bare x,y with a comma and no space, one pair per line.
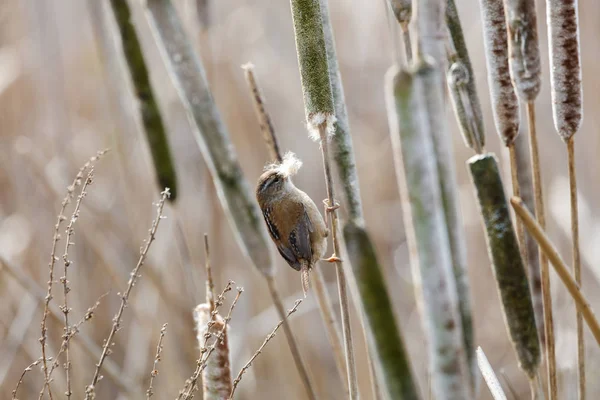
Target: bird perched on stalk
293,219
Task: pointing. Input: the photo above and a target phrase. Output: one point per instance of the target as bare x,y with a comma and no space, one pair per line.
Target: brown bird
293,220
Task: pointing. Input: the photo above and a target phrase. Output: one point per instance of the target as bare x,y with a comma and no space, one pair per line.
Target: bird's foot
329,208
332,259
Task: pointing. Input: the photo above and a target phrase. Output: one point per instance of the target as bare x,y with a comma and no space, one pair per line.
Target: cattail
151,118
505,106
507,263
565,66
461,81
524,48
426,230
216,376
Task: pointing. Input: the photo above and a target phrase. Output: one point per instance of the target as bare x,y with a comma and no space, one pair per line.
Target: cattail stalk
325,306
507,263
525,69
426,230
189,78
461,82
153,124
320,118
369,290
565,74
559,266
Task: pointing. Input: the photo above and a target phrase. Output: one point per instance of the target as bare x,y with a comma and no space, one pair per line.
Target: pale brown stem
517,192
576,262
546,294
535,229
328,315
291,339
341,276
407,44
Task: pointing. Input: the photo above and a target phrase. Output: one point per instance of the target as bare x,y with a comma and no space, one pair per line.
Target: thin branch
260,349
90,389
25,371
560,267
157,359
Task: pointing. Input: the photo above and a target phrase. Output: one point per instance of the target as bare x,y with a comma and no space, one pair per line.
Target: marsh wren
293,219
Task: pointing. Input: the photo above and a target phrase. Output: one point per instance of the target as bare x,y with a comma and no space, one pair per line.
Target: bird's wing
280,239
300,237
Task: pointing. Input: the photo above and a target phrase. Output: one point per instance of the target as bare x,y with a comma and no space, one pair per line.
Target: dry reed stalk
121,380
507,263
426,230
53,258
560,267
189,78
320,118
525,69
90,389
461,81
157,359
489,376
565,74
384,340
270,336
150,114
325,306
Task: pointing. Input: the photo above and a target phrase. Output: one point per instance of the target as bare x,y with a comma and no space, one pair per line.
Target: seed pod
565,66
505,106
506,262
216,376
402,10
312,60
524,47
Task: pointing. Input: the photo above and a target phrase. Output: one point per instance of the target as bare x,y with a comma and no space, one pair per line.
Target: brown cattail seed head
524,48
565,67
505,105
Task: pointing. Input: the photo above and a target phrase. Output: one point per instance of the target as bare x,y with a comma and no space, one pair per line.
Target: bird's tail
305,277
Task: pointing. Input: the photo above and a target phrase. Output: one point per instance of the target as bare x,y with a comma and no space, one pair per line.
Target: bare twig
90,389
54,258
154,372
25,371
489,376
271,335
560,267
64,280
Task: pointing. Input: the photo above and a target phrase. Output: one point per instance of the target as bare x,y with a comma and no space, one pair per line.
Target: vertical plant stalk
403,12
320,118
270,138
189,78
157,359
385,344
426,231
489,376
559,266
148,108
461,80
507,263
565,74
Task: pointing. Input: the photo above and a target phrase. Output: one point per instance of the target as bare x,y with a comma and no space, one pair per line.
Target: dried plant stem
64,280
536,230
25,371
514,169
54,258
291,339
489,376
341,277
271,335
545,273
576,262
407,43
90,389
328,315
154,372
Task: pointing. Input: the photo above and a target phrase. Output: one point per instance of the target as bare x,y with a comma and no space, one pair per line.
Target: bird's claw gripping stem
332,259
329,208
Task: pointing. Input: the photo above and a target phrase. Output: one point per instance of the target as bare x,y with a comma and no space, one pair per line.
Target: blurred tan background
58,107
